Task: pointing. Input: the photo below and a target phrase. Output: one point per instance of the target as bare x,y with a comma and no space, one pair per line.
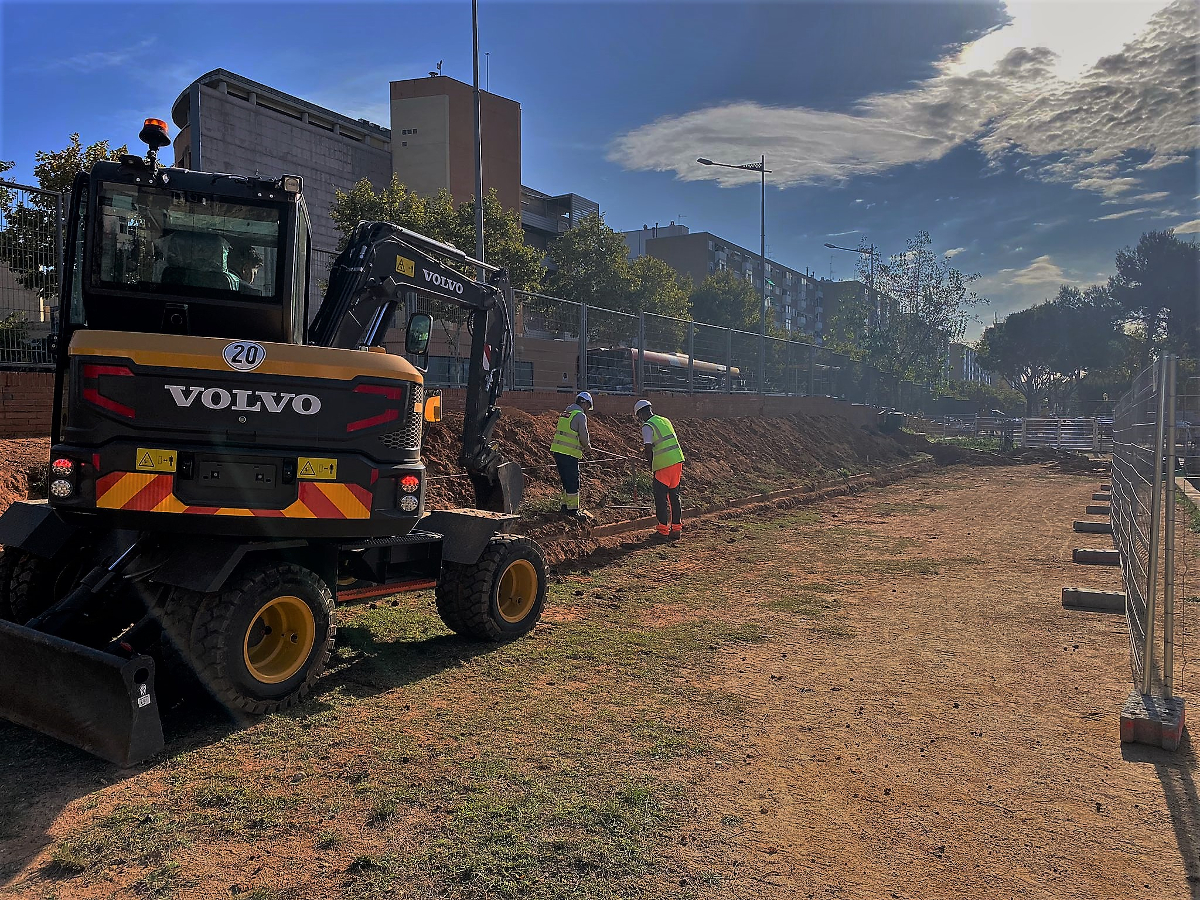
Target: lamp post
870,251
760,167
478,138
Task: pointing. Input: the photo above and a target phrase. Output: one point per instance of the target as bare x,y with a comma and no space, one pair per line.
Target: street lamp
870,251
760,167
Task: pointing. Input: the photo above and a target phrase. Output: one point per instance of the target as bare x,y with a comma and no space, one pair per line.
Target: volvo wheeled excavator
222,473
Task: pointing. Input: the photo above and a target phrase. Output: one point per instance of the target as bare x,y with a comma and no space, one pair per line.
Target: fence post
1169,549
762,359
1095,435
1058,439
812,369
1155,529
1024,421
729,360
583,342
691,352
642,351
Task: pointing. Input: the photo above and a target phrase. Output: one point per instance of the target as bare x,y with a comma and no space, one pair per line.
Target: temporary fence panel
547,342
31,234
613,360
1060,434
711,350
668,367
744,347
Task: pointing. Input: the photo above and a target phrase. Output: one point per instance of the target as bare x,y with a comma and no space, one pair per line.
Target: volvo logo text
443,282
244,401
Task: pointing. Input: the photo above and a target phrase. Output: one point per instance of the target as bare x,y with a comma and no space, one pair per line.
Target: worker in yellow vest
665,458
570,441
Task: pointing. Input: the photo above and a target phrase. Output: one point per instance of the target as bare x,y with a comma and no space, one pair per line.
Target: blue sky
1032,140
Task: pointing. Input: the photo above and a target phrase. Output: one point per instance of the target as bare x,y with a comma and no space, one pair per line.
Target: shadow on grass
40,776
1177,773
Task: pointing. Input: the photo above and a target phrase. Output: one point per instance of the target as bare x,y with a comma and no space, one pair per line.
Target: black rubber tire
468,596
6,561
216,637
36,583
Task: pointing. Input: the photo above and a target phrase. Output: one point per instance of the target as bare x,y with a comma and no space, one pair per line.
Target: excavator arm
384,268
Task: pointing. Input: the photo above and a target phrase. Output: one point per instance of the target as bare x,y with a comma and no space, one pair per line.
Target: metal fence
1155,427
564,346
31,229
1093,435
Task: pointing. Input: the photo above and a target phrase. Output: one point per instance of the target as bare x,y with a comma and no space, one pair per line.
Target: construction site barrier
31,255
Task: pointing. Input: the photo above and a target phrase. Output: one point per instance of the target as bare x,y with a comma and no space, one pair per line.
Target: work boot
563,511
676,533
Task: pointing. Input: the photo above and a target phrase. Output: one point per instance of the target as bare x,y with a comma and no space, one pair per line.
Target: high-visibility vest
566,439
666,447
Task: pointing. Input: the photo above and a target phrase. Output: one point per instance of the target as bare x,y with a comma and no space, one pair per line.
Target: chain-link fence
31,234
1154,429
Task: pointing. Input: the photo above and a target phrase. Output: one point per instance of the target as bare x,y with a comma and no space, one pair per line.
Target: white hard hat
584,395
640,405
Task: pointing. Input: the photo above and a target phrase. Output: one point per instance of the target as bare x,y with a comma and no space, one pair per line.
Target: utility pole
478,141
762,255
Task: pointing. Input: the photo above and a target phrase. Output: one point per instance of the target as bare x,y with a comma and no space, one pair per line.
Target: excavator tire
259,645
36,583
501,596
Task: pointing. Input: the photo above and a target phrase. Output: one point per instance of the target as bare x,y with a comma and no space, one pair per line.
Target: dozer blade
96,701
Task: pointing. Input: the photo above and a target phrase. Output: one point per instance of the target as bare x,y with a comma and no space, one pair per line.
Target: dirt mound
18,456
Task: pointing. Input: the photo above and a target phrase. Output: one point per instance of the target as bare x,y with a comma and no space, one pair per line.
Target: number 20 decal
244,355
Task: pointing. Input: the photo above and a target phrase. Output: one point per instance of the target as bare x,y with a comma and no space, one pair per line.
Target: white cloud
1042,270
94,60
1139,198
1192,227
1078,130
1161,162
952,253
1123,214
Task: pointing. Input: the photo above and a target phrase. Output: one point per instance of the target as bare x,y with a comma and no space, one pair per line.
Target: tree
725,299
438,217
659,289
923,305
1157,285
591,265
1016,350
27,245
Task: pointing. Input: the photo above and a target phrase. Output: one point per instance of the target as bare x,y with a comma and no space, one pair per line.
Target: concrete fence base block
1083,526
1093,601
1106,487
1098,510
1107,498
1095,557
1156,721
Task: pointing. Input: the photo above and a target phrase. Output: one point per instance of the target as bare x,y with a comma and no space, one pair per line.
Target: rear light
91,389
409,503
61,488
410,483
63,468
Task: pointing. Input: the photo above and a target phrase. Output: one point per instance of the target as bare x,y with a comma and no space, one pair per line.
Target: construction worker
665,458
570,441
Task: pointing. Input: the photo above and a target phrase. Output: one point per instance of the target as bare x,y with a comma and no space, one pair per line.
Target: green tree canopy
725,299
657,288
438,218
1157,286
591,265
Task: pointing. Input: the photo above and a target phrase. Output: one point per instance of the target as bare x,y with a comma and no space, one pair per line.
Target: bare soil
879,696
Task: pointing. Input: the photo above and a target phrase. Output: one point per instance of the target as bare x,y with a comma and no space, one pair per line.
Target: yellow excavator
222,473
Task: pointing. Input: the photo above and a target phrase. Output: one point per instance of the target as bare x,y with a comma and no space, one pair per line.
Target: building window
404,143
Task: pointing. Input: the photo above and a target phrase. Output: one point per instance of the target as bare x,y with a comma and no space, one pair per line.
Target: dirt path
954,734
880,696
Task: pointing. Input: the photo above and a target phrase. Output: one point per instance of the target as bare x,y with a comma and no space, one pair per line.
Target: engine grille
409,437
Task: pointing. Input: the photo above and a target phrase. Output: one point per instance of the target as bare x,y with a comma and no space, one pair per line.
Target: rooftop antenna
439,70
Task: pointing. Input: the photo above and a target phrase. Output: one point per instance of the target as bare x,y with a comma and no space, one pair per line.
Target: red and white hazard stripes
150,492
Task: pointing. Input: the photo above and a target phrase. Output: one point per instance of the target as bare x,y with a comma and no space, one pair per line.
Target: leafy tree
1016,349
27,245
591,265
924,304
659,289
438,217
727,300
1157,285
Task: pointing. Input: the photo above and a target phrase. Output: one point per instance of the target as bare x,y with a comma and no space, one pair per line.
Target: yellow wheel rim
518,590
279,639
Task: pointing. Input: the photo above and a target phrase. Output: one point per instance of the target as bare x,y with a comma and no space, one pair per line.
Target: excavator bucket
101,703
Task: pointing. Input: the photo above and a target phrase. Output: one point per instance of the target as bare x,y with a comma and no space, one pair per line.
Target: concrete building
228,123
544,217
962,364
433,121
795,299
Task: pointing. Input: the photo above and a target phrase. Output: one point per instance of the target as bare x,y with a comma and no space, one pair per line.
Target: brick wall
25,403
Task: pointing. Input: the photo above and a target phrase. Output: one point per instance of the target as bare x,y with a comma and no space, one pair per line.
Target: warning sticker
150,460
406,266
316,469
